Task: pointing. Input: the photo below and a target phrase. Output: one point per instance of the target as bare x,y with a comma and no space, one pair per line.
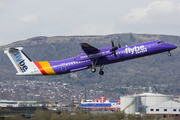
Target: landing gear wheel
101,72
169,54
93,69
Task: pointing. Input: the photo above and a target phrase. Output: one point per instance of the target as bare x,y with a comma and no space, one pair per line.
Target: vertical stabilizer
20,60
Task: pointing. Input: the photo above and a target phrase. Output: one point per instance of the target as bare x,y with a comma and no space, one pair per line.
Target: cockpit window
160,42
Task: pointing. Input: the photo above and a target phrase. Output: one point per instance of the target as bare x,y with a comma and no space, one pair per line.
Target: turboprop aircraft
92,57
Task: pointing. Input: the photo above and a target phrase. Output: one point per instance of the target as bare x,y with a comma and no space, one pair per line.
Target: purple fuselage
105,56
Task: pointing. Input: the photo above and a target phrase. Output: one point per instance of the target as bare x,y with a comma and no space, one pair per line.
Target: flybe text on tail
21,62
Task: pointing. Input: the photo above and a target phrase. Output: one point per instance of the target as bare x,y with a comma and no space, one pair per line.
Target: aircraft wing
88,49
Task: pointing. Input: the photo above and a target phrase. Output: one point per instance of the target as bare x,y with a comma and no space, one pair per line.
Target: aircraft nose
171,46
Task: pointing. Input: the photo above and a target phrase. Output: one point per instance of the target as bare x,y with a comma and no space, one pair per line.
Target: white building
169,109
140,102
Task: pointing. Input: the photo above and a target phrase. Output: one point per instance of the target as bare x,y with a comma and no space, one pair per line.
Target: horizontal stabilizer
12,49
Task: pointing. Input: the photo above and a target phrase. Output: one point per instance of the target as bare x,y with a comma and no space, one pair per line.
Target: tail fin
20,60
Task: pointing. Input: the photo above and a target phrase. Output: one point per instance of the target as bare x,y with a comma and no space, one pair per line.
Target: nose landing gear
169,54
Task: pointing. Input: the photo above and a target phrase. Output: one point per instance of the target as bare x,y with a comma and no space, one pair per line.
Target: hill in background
155,69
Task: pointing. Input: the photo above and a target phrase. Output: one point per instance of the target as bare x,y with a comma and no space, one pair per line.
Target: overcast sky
23,19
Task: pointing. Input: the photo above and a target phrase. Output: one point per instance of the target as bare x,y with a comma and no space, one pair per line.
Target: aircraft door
63,67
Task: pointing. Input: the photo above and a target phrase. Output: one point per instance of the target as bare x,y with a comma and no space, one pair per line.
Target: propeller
119,45
114,48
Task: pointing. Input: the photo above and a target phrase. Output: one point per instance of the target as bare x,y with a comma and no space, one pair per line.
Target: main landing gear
93,69
169,54
101,72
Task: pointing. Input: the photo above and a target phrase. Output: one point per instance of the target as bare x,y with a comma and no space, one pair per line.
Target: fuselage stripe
47,67
40,68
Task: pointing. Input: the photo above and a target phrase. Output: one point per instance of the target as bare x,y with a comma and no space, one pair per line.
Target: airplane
91,58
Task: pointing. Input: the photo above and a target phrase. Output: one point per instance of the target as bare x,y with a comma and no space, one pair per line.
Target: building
140,102
168,109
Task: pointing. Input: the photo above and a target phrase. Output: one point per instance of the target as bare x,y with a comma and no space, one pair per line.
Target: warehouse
168,109
142,102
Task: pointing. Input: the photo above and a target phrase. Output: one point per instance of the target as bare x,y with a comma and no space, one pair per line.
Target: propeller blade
112,43
114,53
114,48
119,45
